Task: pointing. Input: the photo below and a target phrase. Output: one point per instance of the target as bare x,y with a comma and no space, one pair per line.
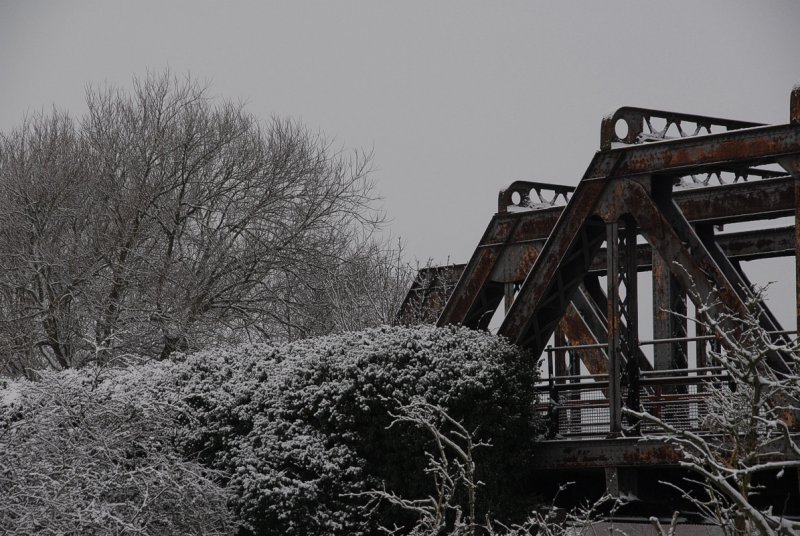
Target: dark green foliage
301,426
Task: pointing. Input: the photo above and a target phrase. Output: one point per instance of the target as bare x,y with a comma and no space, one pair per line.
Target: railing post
553,394
561,370
575,396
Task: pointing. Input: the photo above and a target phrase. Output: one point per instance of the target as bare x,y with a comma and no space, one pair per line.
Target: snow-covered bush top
299,426
296,430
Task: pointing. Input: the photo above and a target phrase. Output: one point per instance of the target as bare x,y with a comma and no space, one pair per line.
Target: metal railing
577,405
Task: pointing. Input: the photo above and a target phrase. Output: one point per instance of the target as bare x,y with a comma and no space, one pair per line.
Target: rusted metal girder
601,453
514,263
561,455
636,180
507,246
528,322
669,304
729,150
563,263
584,324
615,343
639,126
532,195
429,291
730,203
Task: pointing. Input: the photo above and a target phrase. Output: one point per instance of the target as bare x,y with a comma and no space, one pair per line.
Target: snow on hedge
93,452
295,430
302,425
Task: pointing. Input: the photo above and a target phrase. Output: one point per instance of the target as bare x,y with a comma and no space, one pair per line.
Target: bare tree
43,264
363,288
164,220
95,453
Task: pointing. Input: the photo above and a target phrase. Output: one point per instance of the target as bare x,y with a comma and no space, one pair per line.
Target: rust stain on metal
655,455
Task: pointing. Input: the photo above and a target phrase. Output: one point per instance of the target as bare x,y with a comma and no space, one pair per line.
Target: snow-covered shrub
288,438
301,427
93,452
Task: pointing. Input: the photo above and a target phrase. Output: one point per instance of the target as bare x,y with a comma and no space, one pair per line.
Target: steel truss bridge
654,198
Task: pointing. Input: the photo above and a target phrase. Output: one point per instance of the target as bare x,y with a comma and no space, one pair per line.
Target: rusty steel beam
730,203
465,305
474,297
581,325
517,328
777,328
563,263
531,323
581,330
738,148
668,234
578,242
598,453
577,235
739,246
640,129
741,202
694,266
515,261
758,244
614,330
430,290
669,302
740,281
532,195
591,304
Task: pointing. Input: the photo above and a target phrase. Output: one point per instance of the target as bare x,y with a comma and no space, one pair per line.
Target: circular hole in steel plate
621,129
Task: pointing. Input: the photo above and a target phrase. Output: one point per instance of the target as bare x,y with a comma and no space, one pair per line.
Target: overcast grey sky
457,99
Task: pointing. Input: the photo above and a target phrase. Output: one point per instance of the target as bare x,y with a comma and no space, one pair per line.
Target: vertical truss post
614,336
575,412
669,303
701,347
629,306
794,119
560,355
797,242
629,313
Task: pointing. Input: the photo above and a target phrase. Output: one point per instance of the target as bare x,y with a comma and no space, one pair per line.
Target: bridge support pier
622,482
